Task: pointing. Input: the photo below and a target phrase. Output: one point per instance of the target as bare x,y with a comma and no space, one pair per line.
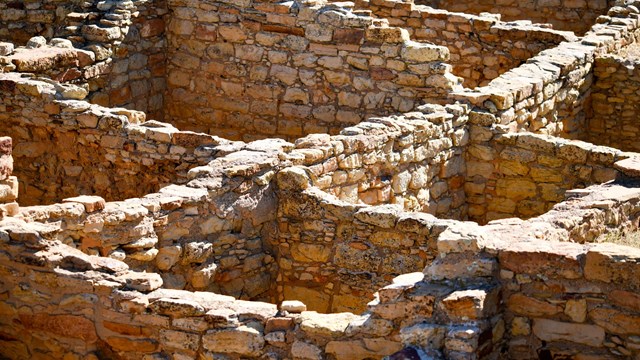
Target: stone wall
576,16
64,148
614,121
558,295
55,295
524,175
334,255
481,47
120,47
8,183
20,21
209,235
246,71
414,160
551,92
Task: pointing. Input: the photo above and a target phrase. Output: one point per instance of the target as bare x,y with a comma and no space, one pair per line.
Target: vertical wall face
576,16
260,70
616,103
64,148
124,47
415,161
20,20
524,175
481,47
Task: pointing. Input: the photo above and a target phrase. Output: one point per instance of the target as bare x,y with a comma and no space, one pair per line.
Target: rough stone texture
481,47
551,92
98,150
568,15
525,174
614,121
298,70
149,277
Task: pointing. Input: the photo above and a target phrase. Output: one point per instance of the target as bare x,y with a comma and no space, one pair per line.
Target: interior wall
576,16
258,70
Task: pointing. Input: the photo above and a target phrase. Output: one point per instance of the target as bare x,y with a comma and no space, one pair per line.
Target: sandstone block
613,263
293,306
301,350
551,330
358,350
6,48
176,307
91,203
465,305
531,307
242,340
168,256
8,189
424,335
325,325
141,281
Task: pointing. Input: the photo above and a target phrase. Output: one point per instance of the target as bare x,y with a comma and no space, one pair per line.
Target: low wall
576,16
278,70
482,47
414,160
551,92
524,175
614,120
122,60
555,302
8,183
64,148
209,235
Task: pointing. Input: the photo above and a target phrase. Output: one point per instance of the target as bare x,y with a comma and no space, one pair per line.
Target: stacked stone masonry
481,47
393,212
570,15
614,119
289,69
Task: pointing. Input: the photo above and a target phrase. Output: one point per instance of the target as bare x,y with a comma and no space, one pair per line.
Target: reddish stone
124,329
625,299
279,324
207,32
70,326
120,96
131,345
191,139
380,73
348,36
152,28
524,305
68,75
284,29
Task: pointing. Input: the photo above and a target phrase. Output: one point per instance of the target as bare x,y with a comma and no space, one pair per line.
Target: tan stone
304,252
524,305
326,325
576,310
550,330
616,322
314,299
242,340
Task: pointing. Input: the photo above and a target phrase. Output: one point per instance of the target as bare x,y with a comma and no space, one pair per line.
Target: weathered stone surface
604,262
293,306
243,341
327,325
305,351
91,203
550,330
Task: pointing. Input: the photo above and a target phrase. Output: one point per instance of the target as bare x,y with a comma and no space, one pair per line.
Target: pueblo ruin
306,179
